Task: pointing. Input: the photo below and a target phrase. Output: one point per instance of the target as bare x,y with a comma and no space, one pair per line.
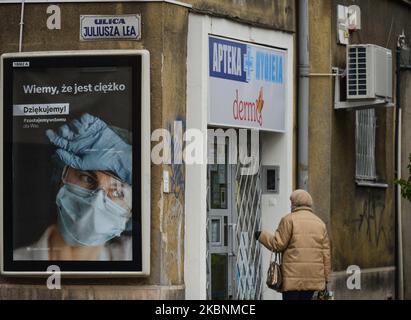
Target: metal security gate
248,262
365,134
233,215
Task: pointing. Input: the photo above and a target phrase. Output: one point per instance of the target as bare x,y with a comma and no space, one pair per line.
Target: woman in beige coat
302,238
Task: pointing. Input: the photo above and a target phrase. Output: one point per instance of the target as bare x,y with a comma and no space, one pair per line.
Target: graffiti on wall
177,178
172,209
371,219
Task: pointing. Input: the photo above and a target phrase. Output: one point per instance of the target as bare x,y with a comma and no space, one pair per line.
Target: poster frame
145,162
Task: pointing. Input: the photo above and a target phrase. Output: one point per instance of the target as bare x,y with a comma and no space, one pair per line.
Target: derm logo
249,111
21,64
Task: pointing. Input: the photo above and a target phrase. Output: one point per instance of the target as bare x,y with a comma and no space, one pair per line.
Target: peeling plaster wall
278,14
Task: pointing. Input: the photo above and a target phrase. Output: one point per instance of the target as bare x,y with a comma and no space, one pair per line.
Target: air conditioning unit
369,72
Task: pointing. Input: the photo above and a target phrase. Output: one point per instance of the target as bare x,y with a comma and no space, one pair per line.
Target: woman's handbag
274,275
325,294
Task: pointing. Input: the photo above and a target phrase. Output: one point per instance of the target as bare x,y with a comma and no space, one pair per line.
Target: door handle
231,227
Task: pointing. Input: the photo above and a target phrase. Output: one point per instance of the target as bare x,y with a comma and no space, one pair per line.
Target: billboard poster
72,163
247,85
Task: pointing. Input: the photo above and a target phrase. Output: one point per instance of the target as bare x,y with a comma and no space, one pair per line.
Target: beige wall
278,14
164,30
366,214
321,98
406,151
361,220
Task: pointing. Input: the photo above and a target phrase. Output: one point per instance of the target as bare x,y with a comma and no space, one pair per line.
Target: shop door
221,223
233,215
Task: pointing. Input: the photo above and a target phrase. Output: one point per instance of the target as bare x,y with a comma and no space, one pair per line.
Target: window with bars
365,133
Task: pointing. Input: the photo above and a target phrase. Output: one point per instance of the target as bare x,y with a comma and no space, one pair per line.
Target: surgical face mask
116,190
89,217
